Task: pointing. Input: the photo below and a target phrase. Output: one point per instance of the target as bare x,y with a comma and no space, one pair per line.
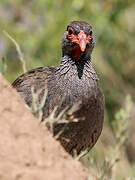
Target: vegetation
34,30
108,160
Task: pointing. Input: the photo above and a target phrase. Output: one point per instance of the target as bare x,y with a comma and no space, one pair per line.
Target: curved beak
82,40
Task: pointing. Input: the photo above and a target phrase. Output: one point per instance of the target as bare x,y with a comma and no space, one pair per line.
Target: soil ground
27,150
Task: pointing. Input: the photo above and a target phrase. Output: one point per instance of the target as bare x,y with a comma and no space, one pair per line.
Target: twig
20,54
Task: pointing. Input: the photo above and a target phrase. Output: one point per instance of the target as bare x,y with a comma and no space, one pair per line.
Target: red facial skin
81,40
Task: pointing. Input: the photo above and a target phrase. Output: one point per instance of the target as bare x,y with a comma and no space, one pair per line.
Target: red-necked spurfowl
74,79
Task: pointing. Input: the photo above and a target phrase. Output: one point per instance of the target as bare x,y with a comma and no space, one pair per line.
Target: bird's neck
81,67
71,62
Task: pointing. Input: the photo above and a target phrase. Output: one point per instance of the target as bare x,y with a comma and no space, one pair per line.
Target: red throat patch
77,53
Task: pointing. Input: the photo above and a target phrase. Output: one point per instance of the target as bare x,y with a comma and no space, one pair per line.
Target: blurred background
38,26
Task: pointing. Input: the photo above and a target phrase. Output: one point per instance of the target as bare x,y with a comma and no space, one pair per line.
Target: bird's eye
90,33
70,31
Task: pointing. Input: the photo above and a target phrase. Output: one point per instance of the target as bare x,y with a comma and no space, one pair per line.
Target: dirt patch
27,149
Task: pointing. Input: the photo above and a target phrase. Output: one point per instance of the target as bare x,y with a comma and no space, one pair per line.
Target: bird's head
78,39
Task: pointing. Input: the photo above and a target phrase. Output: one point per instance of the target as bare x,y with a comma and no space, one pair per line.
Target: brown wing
33,76
37,78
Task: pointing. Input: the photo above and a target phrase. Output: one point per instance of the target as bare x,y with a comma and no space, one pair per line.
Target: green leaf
3,65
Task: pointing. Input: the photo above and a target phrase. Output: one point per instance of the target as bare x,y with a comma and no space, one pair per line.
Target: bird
76,80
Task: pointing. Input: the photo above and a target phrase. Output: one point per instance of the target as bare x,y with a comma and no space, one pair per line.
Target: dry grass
108,167
18,49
